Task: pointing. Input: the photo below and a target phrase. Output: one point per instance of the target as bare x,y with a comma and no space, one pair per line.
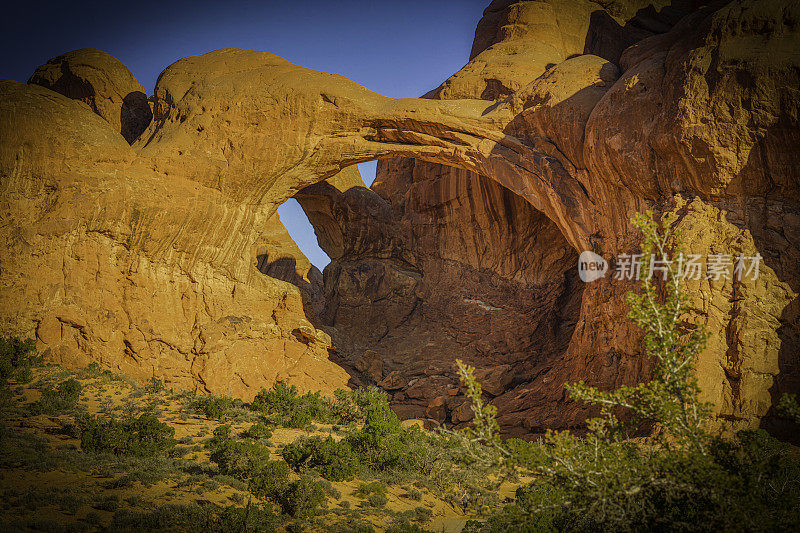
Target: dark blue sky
399,49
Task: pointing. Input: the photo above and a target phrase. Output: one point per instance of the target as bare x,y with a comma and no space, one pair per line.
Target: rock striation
153,246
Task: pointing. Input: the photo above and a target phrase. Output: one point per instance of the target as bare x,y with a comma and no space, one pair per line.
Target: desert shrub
333,460
234,457
352,406
414,494
16,359
258,431
281,398
374,493
92,370
383,444
377,500
217,407
192,517
269,479
107,503
251,518
168,517
789,407
61,399
154,386
735,486
301,498
524,453
422,514
344,408
373,487
286,407
248,461
330,490
144,436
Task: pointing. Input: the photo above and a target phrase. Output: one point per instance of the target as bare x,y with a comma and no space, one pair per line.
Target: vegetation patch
144,436
63,398
334,460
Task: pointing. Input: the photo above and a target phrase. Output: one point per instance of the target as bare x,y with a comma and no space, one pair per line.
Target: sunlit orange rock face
153,246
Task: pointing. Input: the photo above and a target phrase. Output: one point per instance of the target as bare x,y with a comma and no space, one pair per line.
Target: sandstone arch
257,128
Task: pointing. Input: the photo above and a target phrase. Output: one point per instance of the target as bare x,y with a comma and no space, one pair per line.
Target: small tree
671,398
481,441
485,429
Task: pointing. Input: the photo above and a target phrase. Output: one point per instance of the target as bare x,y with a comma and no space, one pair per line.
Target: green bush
216,407
286,407
301,498
330,490
789,407
422,514
16,359
251,518
234,457
414,494
144,436
154,386
192,517
746,484
258,431
333,460
269,479
344,408
383,444
248,461
61,399
107,503
92,370
377,500
352,406
523,453
373,487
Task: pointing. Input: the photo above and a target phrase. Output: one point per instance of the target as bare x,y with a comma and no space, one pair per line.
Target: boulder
103,83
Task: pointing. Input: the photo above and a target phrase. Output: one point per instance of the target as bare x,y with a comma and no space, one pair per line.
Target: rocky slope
570,116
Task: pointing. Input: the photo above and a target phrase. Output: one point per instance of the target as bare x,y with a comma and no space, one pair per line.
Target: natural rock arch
292,127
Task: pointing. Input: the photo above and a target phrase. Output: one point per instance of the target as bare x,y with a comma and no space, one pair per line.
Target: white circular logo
591,266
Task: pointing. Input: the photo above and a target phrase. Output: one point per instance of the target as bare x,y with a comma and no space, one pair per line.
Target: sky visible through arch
399,49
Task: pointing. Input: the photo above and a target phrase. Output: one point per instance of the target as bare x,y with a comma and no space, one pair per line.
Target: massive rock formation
439,240
164,257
